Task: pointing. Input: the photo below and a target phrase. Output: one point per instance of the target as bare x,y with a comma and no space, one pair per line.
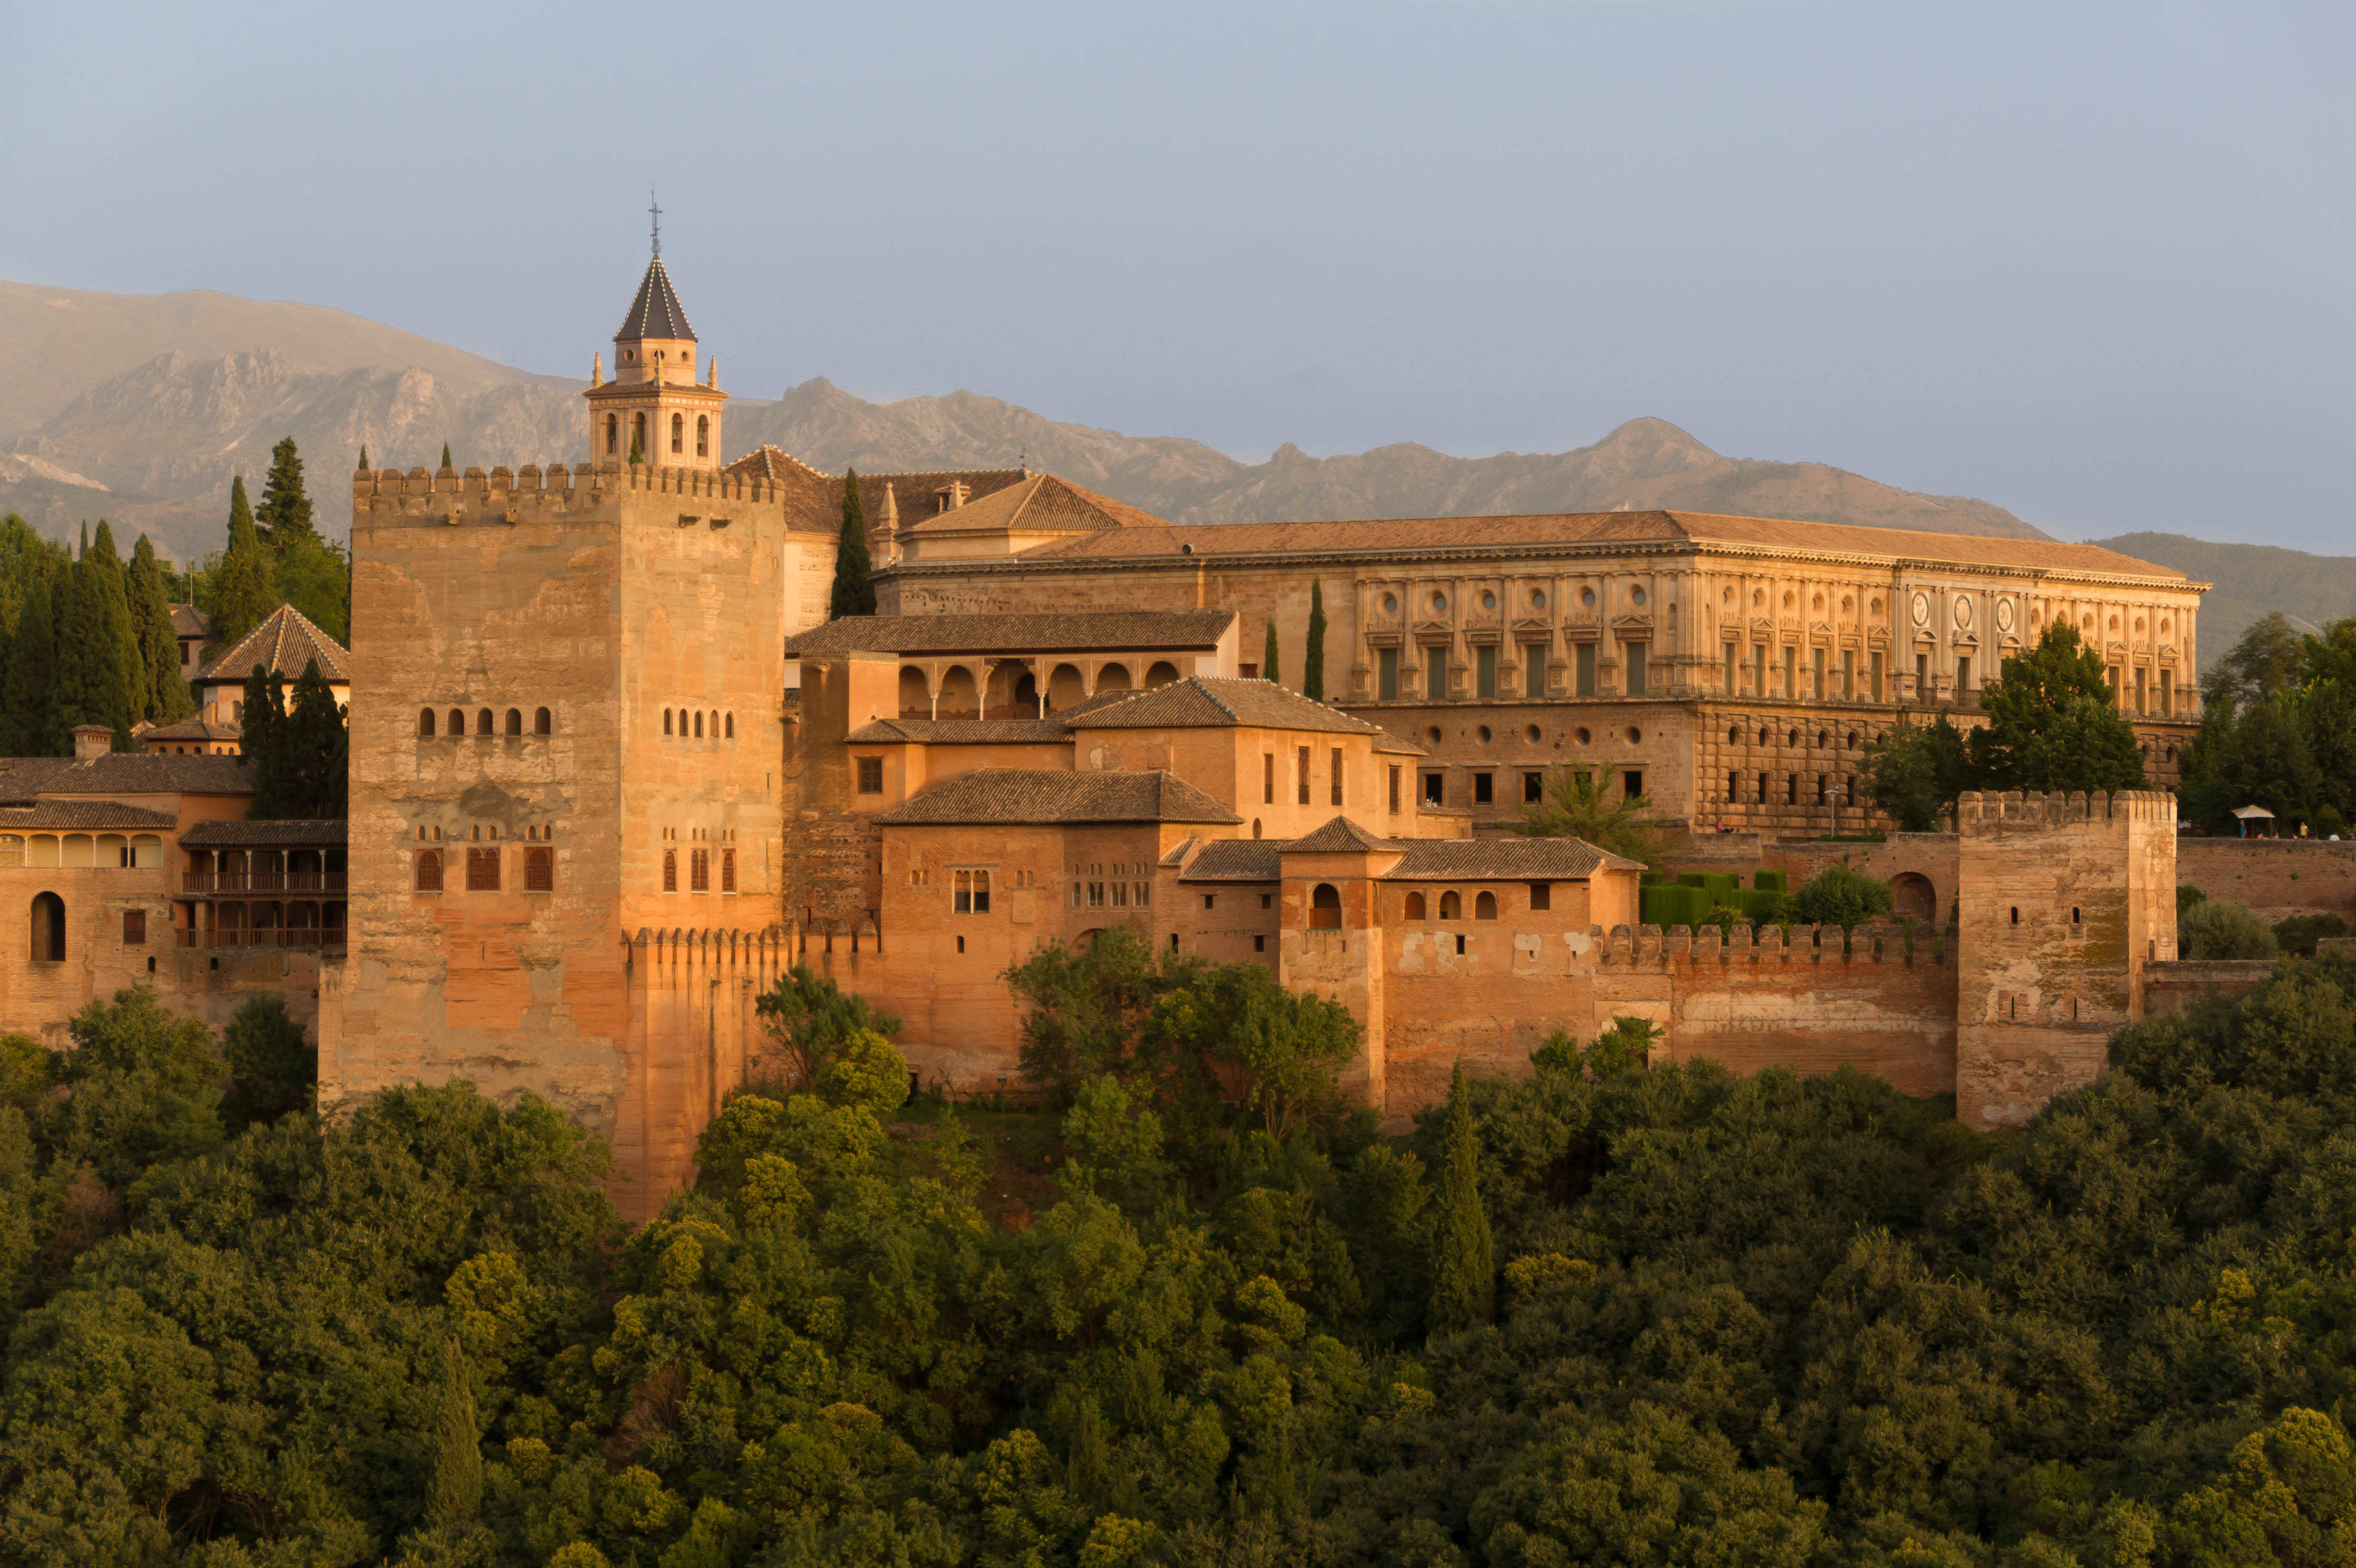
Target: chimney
92,740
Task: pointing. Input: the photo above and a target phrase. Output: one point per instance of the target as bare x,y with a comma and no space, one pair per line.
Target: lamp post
1839,791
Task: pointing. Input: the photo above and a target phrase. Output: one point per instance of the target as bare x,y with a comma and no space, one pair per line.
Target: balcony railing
299,937
263,882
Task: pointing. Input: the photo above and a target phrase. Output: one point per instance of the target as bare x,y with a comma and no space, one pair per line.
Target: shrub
1842,896
2186,898
2221,928
2301,932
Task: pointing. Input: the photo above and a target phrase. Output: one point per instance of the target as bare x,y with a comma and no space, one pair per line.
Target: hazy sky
2090,263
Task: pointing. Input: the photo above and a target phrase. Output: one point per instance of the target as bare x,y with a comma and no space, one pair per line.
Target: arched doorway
1912,897
1325,907
49,928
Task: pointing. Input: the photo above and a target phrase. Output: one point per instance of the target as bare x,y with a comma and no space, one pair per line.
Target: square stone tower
2062,901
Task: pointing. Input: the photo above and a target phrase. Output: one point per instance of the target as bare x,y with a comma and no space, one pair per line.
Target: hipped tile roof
1502,860
285,643
1216,702
958,732
189,621
1023,796
1339,836
1038,503
656,312
1236,860
191,729
84,815
274,834
25,778
1141,631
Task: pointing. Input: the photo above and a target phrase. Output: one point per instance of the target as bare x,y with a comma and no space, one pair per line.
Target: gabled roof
189,621
958,732
1502,860
1339,836
1038,503
272,835
285,643
656,313
1021,796
1139,631
25,778
1216,702
83,815
1236,860
1599,530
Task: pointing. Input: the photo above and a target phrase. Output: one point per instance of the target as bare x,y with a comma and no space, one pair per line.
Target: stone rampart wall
2277,877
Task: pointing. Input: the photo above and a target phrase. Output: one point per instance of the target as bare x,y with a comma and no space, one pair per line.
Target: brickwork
2277,877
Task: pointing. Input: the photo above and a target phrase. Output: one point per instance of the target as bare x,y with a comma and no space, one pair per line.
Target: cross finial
655,213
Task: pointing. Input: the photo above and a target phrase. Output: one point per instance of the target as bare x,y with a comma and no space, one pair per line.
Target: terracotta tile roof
1011,796
958,732
1236,860
83,814
1038,503
1140,631
1392,746
1599,532
189,621
1214,701
190,729
812,500
1339,836
264,835
915,493
1502,860
25,778
656,312
285,641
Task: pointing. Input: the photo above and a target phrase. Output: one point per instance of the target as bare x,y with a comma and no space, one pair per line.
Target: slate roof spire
656,313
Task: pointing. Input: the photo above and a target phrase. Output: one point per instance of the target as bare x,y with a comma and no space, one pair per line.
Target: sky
2090,263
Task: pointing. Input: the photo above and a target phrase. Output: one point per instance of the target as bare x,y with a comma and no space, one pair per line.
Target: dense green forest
1600,1314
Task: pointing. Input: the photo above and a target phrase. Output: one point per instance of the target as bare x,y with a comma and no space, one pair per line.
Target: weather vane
655,213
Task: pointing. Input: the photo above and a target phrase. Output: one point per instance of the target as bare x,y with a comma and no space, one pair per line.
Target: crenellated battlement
502,494
1981,814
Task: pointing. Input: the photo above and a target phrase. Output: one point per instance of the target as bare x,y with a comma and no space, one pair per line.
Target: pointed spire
597,369
890,517
656,312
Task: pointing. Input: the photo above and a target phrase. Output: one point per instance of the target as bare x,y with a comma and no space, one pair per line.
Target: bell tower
654,406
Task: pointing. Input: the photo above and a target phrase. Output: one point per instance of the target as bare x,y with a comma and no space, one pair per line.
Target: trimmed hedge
1671,904
1771,881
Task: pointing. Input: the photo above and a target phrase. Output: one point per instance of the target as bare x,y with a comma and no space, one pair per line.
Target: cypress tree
454,1498
854,588
1312,672
100,674
445,454
1268,670
285,518
165,695
245,588
1463,1274
364,462
637,451
263,738
313,749
25,712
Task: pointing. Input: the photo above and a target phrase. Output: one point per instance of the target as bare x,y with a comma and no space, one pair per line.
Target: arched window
728,871
426,724
638,438
540,721
1415,907
457,721
49,928
1485,907
731,726
1325,907
1794,740
699,726
1763,737
612,436
698,871
515,721
483,723
1451,907
670,871
677,434
538,870
702,435
429,871
1734,736
665,721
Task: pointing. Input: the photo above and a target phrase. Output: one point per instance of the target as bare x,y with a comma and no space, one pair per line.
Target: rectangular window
1849,673
538,875
1533,787
1248,671
1483,789
1762,788
1790,789
1584,663
1386,673
2143,691
1541,895
1635,659
1432,788
1336,760
1874,673
134,928
1923,677
1632,782
727,870
1210,900
1758,671
2167,695
1729,669
1791,671
1395,784
1484,672
1075,895
482,871
1435,674
1259,944
871,776
1816,673
1301,766
1734,789
1963,676
1533,669
698,871
970,893
1268,778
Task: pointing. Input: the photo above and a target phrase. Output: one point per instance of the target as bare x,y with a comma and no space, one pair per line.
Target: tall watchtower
654,407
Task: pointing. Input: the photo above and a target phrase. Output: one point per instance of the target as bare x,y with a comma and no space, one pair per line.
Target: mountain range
141,408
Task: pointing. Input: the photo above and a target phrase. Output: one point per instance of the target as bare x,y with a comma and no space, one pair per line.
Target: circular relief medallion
1963,611
2004,615
1922,609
